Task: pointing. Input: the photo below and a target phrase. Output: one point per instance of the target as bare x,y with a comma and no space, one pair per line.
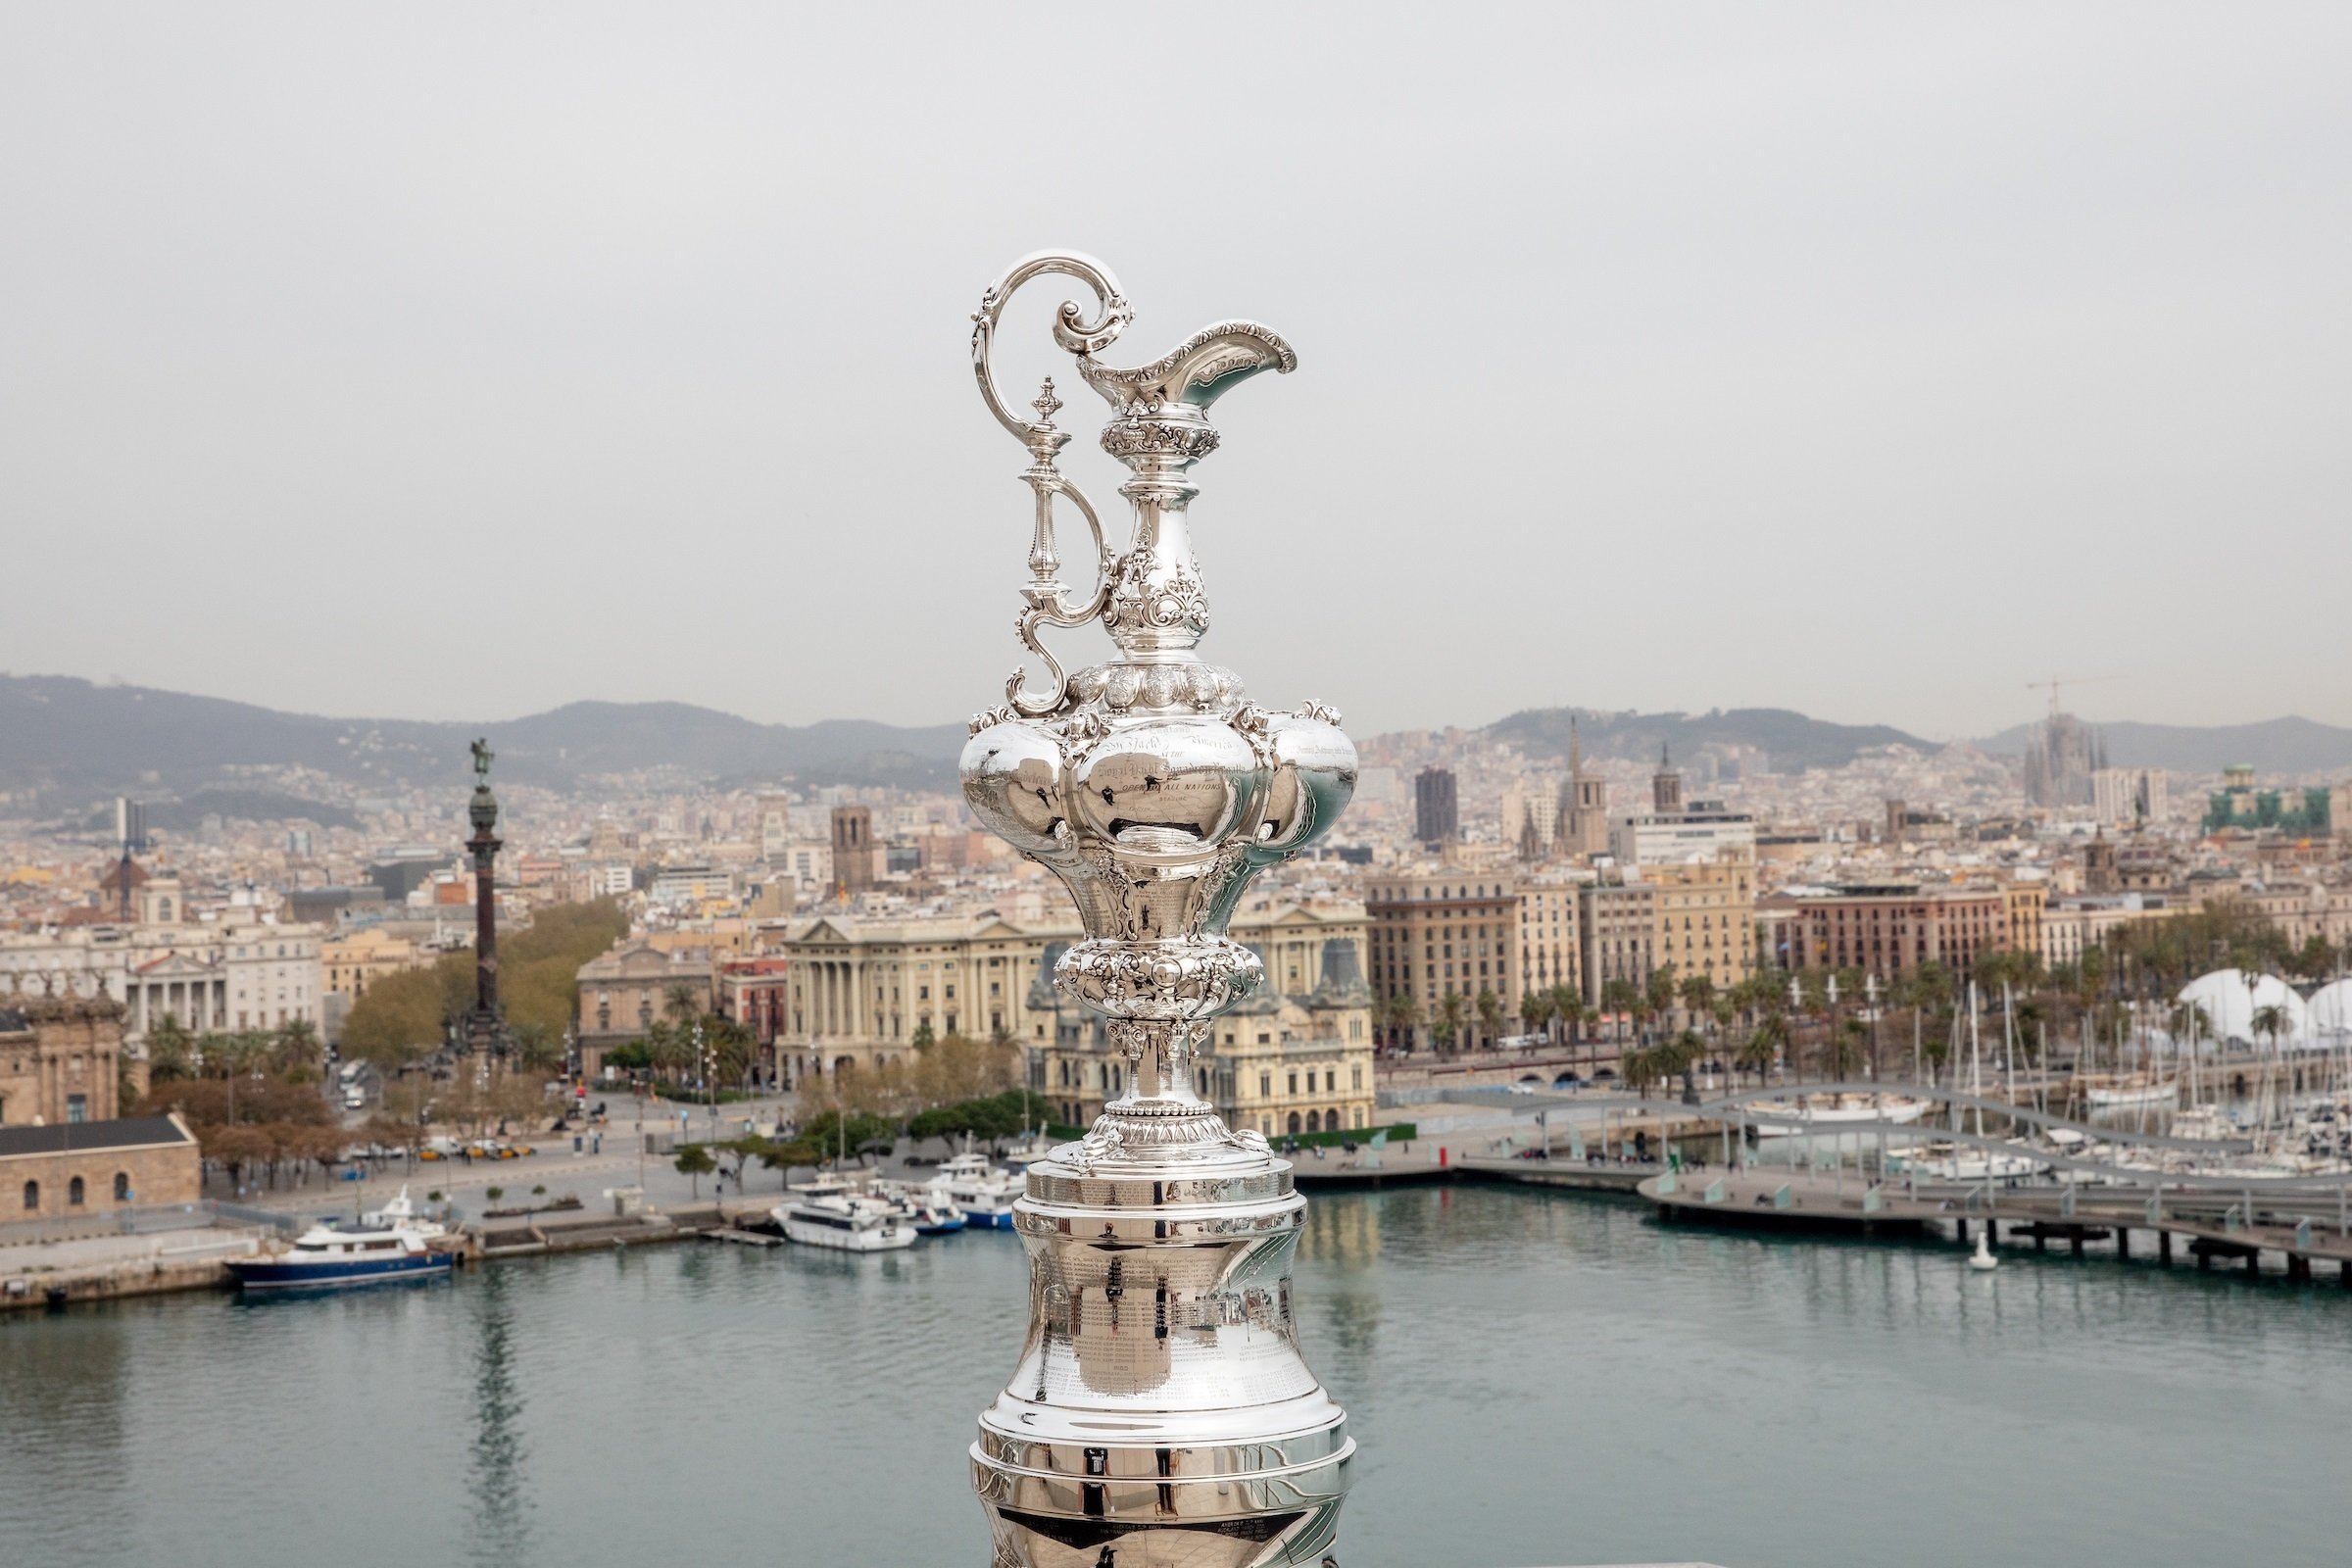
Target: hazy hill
1790,741
2273,746
70,739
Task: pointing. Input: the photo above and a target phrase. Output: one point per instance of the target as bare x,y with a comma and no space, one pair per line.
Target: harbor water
1533,1378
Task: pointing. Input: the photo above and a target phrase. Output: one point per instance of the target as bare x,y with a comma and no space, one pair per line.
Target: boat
2125,1095
829,1214
388,1244
917,1207
985,1195
1950,1162
1816,1113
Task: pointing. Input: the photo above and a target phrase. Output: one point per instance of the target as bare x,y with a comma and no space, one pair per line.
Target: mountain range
66,742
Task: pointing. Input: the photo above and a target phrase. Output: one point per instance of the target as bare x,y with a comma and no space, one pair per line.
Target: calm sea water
1534,1379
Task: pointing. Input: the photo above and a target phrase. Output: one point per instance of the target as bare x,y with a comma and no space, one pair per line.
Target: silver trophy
1161,1413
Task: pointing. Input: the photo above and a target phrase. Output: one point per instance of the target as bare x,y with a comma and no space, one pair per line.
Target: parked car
1566,1080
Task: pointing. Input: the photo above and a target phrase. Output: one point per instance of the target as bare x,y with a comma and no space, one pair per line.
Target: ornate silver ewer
1161,1414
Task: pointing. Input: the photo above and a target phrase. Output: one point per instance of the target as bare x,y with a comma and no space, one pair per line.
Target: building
1436,813
203,977
1706,913
756,993
2061,759
2296,814
776,828
1551,951
627,990
1283,1062
65,1169
1441,933
858,860
1531,820
1707,832
1890,929
690,882
863,989
2024,903
1583,809
2071,926
353,961
1618,925
2128,796
60,1060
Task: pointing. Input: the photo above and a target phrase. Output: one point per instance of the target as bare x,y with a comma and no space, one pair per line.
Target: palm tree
1452,1011
2269,1019
1490,1013
169,1051
1622,997
538,1050
1568,1006
1842,1047
1699,994
1638,1067
668,1049
681,1000
1534,1011
1404,1015
1760,1049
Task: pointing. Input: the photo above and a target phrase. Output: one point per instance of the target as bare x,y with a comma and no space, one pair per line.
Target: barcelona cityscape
1752,964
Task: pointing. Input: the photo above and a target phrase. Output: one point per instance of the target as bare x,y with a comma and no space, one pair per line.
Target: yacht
2126,1094
1821,1113
917,1207
389,1243
985,1195
829,1214
1946,1161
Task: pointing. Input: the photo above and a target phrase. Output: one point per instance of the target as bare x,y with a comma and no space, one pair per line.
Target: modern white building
1706,832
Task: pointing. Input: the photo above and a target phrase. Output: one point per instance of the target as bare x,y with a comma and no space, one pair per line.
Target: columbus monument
1161,1415
485,1023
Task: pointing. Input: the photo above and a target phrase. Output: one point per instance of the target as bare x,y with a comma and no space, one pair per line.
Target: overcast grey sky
459,362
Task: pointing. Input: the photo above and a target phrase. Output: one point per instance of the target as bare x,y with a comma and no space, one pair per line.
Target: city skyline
1728,357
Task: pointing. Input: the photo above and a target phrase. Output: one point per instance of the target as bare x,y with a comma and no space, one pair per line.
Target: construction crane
2057,681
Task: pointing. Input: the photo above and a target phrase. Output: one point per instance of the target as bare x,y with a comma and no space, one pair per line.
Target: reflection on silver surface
1161,1413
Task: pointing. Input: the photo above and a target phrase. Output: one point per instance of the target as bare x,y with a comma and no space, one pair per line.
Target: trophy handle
1048,600
1071,329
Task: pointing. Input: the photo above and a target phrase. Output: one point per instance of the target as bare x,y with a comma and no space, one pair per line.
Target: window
121,1187
77,1110
1293,1088
1265,1086
33,1197
73,1193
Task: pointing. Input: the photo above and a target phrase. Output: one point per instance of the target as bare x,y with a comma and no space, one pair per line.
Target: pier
2215,1225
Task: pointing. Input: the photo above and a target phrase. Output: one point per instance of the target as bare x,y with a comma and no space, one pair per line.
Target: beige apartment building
1618,923
1889,929
1706,913
1451,931
1550,950
354,962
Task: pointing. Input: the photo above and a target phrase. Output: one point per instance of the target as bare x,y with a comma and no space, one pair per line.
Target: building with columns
203,977
860,989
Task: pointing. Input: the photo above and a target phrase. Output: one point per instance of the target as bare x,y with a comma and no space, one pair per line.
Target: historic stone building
67,1170
205,977
1447,932
60,1059
624,991
1282,1063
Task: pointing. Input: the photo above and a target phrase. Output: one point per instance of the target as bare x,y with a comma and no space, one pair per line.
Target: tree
1490,1012
1698,992
169,1051
2269,1019
399,1018
1757,1053
924,1038
1404,1015
681,1000
1452,1011
695,1160
538,1050
1621,998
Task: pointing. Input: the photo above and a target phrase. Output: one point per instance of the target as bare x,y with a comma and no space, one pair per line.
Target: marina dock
2210,1224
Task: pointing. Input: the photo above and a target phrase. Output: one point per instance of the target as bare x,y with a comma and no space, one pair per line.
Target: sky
1874,361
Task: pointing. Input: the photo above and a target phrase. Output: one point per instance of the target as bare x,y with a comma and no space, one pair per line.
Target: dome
2332,1008
2229,1005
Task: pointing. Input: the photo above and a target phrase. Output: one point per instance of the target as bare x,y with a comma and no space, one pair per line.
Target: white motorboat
1823,1113
919,1207
2125,1095
983,1193
829,1214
